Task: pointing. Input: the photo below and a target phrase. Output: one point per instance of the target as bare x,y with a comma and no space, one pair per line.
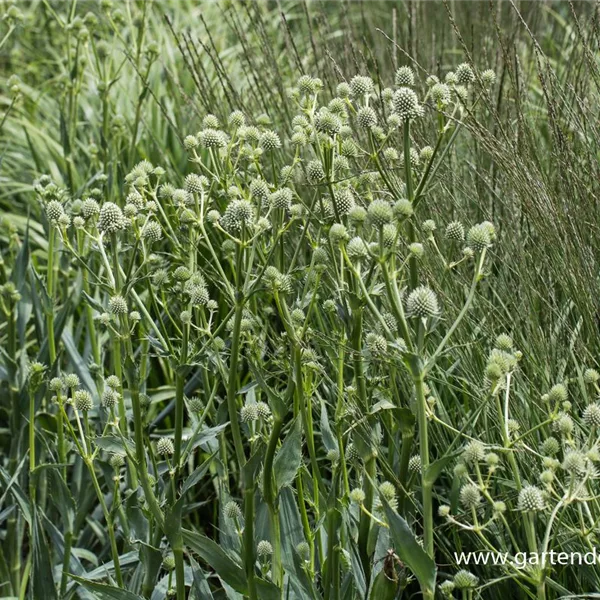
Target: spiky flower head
232,510
406,104
343,90
446,588
83,400
165,447
405,77
558,393
591,376
357,249
116,461
443,510
388,491
264,549
440,93
262,410
327,122
190,142
574,463
281,199
463,580
212,138
414,464
366,117
531,499
90,208
357,496
249,413
488,78
464,74
455,231
117,305
237,214
359,86
470,496
380,213
504,342
314,171
111,218
338,233
110,397
56,384
376,344
269,140
591,415
210,121
403,209
71,380
550,446
474,452
478,238
54,211
152,231
303,550
422,303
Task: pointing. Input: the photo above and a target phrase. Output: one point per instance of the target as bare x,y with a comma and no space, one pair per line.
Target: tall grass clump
262,332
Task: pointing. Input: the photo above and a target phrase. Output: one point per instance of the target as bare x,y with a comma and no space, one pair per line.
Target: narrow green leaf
214,556
288,458
41,571
103,591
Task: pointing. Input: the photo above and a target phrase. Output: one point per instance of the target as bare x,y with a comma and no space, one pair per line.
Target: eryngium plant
247,350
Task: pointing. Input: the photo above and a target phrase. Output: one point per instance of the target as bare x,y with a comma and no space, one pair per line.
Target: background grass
530,163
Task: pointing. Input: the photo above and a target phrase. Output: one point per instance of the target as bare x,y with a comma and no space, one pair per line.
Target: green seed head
90,208
71,380
488,78
56,384
212,138
591,415
366,117
360,86
264,549
463,580
116,461
232,510
263,411
376,344
464,74
504,342
414,464
422,303
455,231
357,496
440,93
110,397
550,446
343,90
443,511
303,550
117,305
406,104
558,393
474,452
530,499
446,588
404,77
478,238
83,400
591,376
168,562
338,233
269,140
111,218
165,447
152,231
470,496
403,209
574,463
380,213
54,211
248,413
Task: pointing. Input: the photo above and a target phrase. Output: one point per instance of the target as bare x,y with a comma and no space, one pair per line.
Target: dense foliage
277,348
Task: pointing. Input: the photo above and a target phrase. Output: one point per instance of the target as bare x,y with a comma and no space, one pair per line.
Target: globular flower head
315,171
282,199
194,184
422,303
455,231
71,380
488,78
404,77
357,496
574,463
558,393
56,384
264,549
303,550
90,208
232,510
380,213
269,140
116,461
406,104
478,238
236,119
504,342
165,447
212,138
343,90
376,343
550,446
464,74
327,122
464,580
338,232
403,209
474,452
531,499
366,117
237,214
117,305
110,397
591,415
357,249
414,464
111,218
54,211
440,93
591,376
262,410
360,85
446,588
152,232
470,496
83,400
249,413
210,121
